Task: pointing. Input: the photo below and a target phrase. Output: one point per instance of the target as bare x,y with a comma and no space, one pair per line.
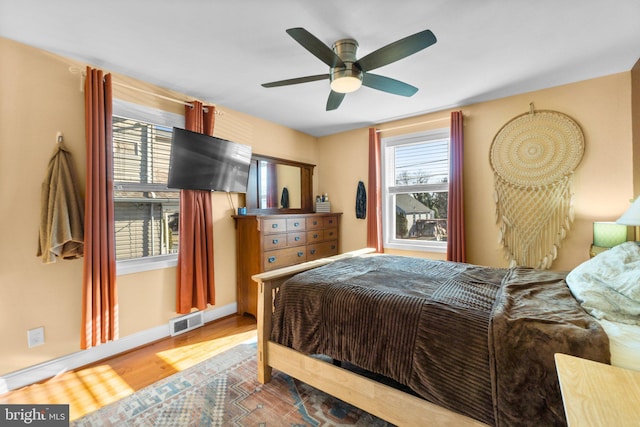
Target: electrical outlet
35,336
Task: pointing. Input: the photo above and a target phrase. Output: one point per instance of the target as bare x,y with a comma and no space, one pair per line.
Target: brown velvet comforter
476,340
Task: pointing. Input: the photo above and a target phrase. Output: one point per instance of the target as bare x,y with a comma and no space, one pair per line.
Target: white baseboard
51,368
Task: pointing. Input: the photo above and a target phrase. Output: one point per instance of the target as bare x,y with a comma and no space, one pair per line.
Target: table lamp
632,217
607,234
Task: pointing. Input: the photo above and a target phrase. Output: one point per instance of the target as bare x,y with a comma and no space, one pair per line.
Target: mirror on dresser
279,186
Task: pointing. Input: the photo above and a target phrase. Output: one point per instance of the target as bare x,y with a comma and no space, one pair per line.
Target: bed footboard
268,284
390,404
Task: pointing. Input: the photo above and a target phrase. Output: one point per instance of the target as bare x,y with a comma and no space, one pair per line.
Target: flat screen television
203,162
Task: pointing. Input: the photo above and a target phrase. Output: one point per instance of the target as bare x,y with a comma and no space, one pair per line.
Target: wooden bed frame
388,403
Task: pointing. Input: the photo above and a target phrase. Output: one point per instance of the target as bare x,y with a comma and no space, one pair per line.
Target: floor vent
185,323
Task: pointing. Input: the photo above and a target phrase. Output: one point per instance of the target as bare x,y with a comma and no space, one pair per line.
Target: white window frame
159,117
388,180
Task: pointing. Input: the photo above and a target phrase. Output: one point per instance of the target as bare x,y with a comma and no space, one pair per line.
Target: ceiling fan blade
316,47
396,50
334,101
297,80
387,84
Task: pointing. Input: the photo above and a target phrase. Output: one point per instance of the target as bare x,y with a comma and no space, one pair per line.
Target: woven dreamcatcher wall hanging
533,158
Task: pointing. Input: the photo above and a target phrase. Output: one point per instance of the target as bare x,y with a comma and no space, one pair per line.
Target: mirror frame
306,186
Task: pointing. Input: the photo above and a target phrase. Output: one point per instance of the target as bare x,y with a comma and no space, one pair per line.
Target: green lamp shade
608,234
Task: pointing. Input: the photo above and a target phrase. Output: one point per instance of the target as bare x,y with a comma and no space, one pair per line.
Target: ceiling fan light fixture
346,84
346,79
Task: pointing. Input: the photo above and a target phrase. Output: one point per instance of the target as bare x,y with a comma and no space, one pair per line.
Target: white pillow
608,285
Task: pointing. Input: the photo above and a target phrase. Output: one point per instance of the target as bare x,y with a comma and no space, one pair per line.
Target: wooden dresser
267,242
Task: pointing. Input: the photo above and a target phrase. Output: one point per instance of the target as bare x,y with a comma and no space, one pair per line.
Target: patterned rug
224,391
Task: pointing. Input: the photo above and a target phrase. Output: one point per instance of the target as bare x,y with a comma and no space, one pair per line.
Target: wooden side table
596,394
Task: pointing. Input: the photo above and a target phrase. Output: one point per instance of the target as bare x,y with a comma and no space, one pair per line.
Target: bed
451,343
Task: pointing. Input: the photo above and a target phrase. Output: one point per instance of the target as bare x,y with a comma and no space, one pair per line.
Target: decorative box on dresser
267,242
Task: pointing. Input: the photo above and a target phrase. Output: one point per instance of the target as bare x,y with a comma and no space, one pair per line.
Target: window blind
146,211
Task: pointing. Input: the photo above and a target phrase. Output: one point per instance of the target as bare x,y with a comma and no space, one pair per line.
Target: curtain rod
75,70
413,124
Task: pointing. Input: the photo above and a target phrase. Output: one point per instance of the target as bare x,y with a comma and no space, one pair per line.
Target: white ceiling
221,51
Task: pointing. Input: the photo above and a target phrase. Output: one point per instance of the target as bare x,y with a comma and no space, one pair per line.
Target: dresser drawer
284,257
296,239
315,236
296,224
330,234
315,223
321,250
270,226
330,221
274,241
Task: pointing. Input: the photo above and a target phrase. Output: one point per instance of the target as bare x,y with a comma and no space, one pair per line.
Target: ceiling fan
347,73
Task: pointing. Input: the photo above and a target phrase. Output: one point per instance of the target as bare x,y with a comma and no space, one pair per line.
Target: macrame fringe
533,221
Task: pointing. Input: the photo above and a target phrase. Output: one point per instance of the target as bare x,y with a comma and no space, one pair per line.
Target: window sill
437,247
146,264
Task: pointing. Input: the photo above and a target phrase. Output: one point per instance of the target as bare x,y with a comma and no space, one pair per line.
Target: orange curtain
374,201
456,250
195,278
99,293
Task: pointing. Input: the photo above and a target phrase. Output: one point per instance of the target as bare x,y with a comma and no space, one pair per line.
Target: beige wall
289,177
603,182
635,111
38,98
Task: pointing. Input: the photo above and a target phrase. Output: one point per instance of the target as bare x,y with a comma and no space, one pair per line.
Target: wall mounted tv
203,162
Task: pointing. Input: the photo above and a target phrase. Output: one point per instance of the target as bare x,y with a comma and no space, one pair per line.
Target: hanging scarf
361,201
284,200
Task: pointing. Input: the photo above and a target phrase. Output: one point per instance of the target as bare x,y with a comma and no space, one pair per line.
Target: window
146,211
415,179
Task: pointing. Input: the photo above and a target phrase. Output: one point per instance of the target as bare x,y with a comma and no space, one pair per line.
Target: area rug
224,391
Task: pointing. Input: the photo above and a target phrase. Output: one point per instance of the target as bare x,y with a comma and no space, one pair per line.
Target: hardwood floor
89,388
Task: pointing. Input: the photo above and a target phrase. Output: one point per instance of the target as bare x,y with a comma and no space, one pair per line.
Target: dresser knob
315,236
274,225
275,241
300,254
272,259
297,238
313,251
296,224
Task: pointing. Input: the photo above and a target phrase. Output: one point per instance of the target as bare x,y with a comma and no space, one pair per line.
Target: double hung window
146,211
415,179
